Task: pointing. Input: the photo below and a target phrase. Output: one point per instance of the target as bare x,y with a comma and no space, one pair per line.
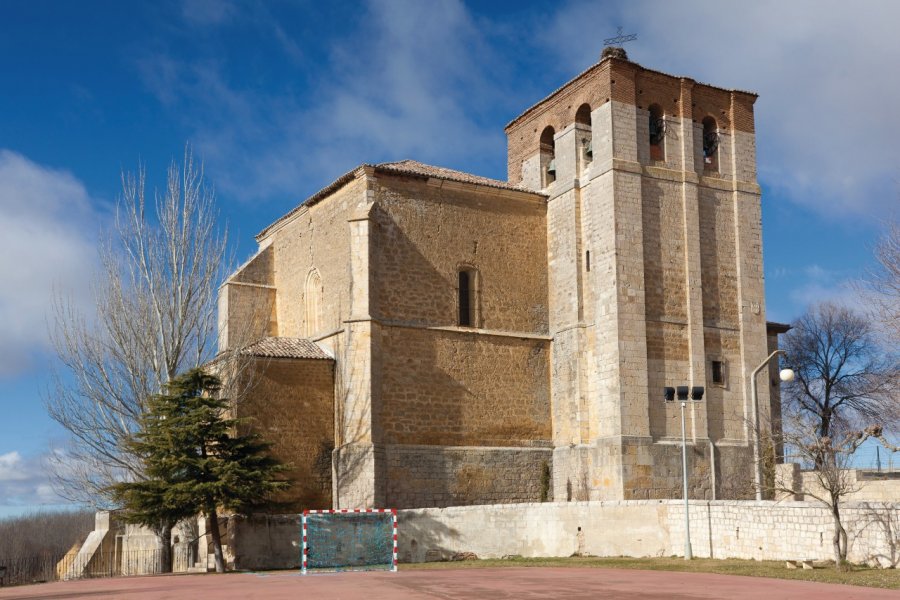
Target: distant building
426,337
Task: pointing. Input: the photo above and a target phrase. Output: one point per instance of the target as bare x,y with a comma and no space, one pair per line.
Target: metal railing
20,570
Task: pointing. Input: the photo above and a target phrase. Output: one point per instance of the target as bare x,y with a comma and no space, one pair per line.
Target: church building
419,336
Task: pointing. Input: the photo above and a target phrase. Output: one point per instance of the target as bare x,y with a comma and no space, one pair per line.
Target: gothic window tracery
314,296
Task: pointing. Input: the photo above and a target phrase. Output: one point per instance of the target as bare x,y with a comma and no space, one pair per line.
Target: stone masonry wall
263,541
426,233
557,111
719,529
869,486
447,476
763,530
291,404
459,388
318,237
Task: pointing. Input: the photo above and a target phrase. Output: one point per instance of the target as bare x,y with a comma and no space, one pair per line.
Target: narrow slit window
465,299
587,260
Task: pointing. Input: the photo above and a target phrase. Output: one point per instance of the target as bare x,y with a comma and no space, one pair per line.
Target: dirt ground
467,584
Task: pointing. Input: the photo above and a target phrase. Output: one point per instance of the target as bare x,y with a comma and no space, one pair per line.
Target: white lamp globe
786,375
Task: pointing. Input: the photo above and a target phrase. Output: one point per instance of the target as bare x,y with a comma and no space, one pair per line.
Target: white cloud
48,244
825,72
412,97
411,79
24,481
11,467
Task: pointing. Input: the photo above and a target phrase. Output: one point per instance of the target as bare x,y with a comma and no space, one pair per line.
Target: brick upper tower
655,277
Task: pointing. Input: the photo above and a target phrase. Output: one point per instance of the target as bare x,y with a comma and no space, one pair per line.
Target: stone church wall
453,388
426,233
291,405
462,412
638,264
558,111
317,237
457,476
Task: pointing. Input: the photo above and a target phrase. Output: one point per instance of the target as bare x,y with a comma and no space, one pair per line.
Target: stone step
199,567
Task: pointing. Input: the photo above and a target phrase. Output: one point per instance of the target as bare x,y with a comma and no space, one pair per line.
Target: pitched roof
285,347
412,168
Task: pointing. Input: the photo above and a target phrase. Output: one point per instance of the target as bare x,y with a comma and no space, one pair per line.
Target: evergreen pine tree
195,461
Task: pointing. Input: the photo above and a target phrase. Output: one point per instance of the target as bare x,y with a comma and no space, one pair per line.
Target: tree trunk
839,541
164,536
825,424
213,523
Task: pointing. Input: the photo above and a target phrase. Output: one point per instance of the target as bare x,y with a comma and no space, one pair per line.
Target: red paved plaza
447,584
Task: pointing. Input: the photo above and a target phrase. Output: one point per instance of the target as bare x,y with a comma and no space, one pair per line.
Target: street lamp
785,375
696,394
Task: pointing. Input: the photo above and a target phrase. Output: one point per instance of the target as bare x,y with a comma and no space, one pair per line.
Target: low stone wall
867,486
265,541
765,530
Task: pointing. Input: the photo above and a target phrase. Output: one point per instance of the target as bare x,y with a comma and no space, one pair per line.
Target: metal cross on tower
620,38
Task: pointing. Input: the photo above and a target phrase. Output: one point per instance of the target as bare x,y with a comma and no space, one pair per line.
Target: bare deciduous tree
829,458
155,317
843,375
882,286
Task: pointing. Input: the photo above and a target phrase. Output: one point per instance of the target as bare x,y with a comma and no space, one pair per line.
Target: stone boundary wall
265,541
765,530
869,486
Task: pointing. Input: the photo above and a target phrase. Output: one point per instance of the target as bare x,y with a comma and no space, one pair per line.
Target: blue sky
279,98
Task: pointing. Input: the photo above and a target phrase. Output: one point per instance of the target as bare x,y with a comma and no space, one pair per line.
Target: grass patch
854,575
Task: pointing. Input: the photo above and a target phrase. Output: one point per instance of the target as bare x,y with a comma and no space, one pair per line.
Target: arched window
315,299
548,156
657,133
710,144
583,115
583,127
467,297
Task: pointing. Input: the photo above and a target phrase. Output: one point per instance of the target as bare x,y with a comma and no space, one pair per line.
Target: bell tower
655,273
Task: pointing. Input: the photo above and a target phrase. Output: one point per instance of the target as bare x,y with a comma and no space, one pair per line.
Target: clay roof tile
285,347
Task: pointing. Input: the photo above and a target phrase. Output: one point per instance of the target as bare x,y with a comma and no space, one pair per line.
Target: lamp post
785,375
696,394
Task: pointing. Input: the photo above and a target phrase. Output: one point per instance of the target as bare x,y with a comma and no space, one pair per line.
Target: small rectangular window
718,372
587,260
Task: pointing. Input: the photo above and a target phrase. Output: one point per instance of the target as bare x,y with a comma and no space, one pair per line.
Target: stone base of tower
638,468
358,475
423,476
